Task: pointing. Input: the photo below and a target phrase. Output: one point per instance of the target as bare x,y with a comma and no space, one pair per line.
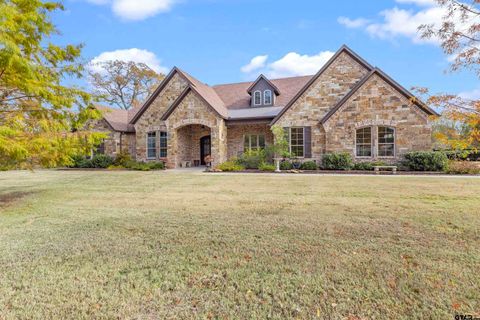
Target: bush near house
230,166
101,161
426,161
337,161
286,165
144,166
252,159
309,166
267,167
463,167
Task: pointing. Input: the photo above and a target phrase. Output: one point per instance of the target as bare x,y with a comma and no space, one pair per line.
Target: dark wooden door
205,148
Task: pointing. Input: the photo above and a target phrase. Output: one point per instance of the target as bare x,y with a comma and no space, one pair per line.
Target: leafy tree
124,84
459,34
42,121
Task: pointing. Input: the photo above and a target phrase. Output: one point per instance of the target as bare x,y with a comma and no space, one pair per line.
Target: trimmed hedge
426,161
267,167
337,161
286,165
230,166
309,166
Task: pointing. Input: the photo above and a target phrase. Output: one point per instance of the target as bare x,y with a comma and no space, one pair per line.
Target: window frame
163,136
265,95
372,151
258,146
394,143
297,145
148,146
259,98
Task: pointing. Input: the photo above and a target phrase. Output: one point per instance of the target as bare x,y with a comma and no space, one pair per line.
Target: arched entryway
193,144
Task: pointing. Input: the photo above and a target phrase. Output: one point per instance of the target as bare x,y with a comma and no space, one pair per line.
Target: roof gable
260,78
343,49
395,85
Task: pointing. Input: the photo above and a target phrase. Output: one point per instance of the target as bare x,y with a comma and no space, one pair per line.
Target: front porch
194,144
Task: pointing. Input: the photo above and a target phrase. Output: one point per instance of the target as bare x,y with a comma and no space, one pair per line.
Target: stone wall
189,142
379,104
236,134
151,118
332,85
194,111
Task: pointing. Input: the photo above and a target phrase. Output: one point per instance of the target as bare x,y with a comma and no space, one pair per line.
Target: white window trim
394,143
371,143
155,157
290,141
250,140
160,144
264,97
254,94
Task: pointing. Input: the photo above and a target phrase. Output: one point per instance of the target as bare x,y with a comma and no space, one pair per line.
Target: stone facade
151,118
236,135
332,85
190,113
194,110
375,104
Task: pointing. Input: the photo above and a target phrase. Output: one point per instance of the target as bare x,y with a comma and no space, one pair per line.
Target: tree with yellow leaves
42,121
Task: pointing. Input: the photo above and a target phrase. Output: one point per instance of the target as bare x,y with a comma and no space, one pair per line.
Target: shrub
267,167
252,159
80,162
463,167
230,166
426,161
337,161
122,159
309,165
286,165
101,161
142,166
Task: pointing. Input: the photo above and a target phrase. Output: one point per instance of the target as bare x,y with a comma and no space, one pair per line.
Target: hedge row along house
348,106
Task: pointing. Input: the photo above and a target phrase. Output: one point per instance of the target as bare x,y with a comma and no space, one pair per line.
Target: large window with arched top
364,142
386,142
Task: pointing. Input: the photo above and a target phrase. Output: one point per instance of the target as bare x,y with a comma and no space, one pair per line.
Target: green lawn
163,245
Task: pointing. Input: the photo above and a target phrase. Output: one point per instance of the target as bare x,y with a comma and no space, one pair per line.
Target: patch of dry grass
166,245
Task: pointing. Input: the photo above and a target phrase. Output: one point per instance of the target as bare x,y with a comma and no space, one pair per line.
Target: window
297,145
151,145
364,142
163,144
386,142
257,98
267,97
254,142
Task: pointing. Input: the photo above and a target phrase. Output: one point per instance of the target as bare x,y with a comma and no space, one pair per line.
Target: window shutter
308,142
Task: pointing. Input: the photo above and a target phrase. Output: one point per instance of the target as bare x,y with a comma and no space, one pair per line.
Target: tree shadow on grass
11,197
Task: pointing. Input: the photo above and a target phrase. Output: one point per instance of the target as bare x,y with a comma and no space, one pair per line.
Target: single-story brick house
348,106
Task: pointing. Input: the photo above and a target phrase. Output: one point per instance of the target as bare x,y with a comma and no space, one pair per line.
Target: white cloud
256,63
353,23
292,64
399,22
127,55
136,9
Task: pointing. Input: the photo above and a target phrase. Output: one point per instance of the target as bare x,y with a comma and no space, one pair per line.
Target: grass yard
164,245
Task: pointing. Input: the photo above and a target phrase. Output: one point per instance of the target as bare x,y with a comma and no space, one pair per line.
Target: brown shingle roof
118,119
235,95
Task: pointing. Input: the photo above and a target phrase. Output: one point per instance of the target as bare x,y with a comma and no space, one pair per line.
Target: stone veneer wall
189,142
378,103
332,85
150,120
194,111
236,134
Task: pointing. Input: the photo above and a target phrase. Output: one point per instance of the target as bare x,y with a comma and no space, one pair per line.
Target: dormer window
257,98
267,97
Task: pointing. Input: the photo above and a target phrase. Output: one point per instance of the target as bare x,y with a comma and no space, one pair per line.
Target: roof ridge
245,82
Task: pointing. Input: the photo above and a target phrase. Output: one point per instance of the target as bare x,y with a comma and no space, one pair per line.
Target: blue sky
216,40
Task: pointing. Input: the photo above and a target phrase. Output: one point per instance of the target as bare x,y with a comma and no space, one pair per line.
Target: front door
205,148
